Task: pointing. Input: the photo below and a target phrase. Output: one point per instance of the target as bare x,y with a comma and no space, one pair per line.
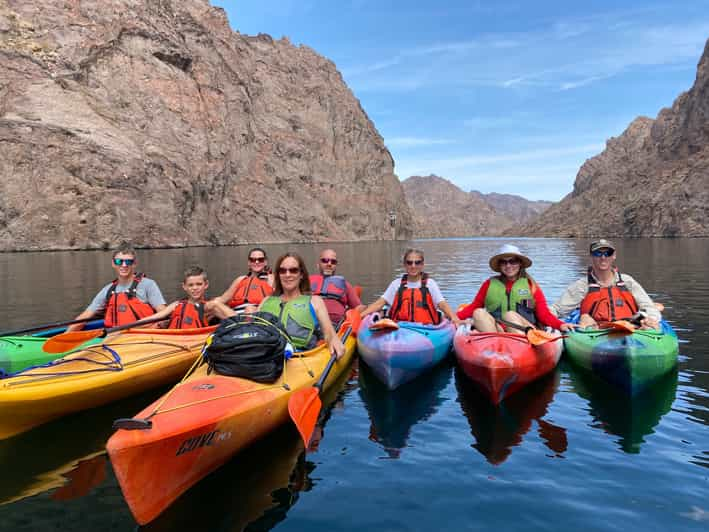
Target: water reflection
631,418
393,413
74,462
497,429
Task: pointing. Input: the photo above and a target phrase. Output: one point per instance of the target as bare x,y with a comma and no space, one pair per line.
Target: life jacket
329,287
188,316
297,319
251,289
125,307
414,304
608,303
520,298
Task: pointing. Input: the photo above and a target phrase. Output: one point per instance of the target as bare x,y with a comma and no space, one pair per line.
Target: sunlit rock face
653,180
151,120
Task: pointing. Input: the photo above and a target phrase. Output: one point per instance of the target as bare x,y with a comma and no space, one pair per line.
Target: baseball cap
602,244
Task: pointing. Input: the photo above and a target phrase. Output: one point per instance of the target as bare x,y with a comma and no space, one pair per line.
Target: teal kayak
631,362
21,352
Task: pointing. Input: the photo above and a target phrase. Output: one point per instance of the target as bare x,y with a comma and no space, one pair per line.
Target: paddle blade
304,408
384,324
537,337
67,341
622,326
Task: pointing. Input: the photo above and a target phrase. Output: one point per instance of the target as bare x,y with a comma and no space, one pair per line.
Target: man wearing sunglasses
605,294
336,292
128,298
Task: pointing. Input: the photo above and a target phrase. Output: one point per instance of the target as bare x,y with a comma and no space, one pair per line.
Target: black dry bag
251,346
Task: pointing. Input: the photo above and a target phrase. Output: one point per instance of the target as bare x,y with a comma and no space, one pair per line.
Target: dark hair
124,248
411,251
192,271
304,285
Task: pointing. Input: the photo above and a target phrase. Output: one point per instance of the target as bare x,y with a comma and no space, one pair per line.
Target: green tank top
297,319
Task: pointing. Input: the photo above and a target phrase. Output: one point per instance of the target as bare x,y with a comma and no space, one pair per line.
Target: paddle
623,326
304,405
69,340
535,336
46,326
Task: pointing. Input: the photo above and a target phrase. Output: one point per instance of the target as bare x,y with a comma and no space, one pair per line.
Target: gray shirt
147,291
571,299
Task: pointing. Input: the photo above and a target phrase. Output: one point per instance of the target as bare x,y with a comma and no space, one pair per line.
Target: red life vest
608,303
188,316
329,287
251,289
125,307
414,304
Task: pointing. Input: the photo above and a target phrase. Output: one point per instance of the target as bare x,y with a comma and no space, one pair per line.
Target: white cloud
408,142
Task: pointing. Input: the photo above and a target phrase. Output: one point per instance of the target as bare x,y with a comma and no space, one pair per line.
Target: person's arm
165,312
440,302
333,341
154,296
97,305
386,299
479,302
374,307
229,292
571,299
445,307
352,300
544,315
645,304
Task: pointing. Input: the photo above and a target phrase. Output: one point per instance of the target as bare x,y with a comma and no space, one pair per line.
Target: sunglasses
328,261
418,262
508,261
257,260
292,271
602,253
127,262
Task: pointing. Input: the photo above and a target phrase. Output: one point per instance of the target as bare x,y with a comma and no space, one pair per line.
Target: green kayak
629,361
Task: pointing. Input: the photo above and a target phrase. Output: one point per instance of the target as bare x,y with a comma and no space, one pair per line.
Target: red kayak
502,363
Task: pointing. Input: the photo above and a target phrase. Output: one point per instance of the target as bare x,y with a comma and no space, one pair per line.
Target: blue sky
505,96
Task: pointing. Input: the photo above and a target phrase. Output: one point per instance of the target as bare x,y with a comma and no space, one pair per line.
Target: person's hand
568,327
337,348
456,321
649,323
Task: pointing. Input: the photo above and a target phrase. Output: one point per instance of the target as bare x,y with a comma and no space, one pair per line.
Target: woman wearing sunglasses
512,296
129,297
250,288
415,296
604,294
303,315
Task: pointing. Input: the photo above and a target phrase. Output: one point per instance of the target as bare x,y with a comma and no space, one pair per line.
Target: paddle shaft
517,326
130,325
331,363
46,326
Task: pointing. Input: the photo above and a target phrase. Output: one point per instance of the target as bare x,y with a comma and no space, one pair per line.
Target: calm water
564,453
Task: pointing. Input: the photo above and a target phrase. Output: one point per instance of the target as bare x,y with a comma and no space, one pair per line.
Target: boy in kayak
128,298
336,292
606,295
188,313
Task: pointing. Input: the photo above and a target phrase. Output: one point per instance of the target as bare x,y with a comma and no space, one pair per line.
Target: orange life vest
329,287
187,316
251,289
414,304
608,303
125,307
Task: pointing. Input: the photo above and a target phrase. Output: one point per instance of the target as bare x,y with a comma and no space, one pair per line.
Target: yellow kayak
124,364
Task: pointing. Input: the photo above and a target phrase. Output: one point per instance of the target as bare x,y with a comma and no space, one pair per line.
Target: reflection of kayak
393,413
629,361
20,352
502,363
631,418
201,423
400,355
499,428
122,365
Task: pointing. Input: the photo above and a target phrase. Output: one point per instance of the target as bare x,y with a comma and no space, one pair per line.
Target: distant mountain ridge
653,180
442,209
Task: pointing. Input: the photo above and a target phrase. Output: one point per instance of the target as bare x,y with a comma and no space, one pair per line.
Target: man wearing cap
605,294
336,292
513,296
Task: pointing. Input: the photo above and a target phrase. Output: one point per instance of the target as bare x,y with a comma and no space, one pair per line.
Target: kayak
503,363
121,365
400,355
202,422
20,352
630,361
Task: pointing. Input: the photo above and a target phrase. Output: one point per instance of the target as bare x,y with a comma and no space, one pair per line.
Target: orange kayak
502,363
201,423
